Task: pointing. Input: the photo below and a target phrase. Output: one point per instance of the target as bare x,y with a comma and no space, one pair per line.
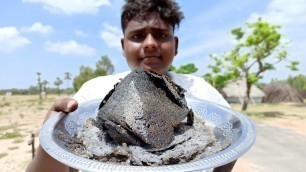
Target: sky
58,36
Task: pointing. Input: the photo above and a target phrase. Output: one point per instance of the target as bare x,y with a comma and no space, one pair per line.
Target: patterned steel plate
228,126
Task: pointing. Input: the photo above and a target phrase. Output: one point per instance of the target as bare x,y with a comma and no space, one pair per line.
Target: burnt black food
143,107
144,120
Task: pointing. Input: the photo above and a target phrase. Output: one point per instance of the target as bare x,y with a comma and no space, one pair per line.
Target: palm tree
44,83
58,82
39,84
67,78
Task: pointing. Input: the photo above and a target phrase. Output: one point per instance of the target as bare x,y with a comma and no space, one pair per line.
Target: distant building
235,92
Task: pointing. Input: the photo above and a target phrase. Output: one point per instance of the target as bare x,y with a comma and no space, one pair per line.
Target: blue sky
58,36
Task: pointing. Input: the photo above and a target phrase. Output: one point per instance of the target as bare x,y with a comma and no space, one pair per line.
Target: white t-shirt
195,87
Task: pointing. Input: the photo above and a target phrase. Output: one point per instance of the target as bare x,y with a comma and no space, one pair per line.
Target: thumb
62,105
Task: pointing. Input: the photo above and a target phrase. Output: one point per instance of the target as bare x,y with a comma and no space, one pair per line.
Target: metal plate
228,126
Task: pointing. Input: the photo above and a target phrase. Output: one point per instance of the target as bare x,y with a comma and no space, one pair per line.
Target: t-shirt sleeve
95,88
197,87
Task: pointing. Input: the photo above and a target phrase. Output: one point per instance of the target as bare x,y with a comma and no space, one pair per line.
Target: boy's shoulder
197,87
108,79
98,87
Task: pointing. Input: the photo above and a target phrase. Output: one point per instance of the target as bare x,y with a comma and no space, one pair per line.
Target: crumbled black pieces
190,143
143,109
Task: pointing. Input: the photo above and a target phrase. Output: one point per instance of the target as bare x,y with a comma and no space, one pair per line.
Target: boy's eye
136,37
162,36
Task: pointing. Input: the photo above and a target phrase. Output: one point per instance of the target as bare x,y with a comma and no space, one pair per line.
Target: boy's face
149,43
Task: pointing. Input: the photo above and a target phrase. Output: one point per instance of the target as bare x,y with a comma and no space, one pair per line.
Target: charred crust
108,95
190,118
173,91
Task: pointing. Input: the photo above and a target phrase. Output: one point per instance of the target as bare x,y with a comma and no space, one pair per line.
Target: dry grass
10,135
19,117
3,155
285,115
18,140
281,110
13,148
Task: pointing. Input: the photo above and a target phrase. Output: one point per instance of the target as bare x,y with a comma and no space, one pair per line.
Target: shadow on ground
271,114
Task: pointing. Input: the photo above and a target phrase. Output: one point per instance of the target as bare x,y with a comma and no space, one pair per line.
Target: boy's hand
62,105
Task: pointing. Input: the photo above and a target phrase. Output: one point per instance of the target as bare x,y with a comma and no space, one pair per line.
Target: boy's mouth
151,63
151,59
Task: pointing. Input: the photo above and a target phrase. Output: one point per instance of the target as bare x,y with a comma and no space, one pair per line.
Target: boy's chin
155,69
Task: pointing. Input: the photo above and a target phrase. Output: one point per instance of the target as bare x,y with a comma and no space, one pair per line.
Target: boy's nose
150,42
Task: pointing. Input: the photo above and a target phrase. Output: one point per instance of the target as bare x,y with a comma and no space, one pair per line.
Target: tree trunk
68,91
58,91
245,103
247,97
40,91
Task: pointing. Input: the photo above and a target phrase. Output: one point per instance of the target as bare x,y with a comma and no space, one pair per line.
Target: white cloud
80,33
71,6
281,12
10,39
111,35
284,12
40,28
69,48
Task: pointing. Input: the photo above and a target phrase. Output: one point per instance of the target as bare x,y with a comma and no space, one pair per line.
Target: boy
149,42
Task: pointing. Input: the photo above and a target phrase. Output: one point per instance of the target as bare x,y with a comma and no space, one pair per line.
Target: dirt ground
20,116
290,116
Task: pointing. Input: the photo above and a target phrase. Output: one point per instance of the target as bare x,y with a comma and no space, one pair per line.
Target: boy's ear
122,46
176,44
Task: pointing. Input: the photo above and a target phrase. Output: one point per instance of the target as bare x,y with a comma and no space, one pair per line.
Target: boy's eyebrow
140,29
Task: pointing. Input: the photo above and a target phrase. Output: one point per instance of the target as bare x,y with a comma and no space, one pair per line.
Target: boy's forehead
152,20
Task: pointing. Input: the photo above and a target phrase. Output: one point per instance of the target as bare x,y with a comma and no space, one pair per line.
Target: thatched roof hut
281,92
235,92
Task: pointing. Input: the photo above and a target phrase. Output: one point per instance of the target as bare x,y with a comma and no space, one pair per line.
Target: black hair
168,10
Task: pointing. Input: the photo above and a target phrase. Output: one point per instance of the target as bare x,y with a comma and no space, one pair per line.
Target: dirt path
281,137
276,149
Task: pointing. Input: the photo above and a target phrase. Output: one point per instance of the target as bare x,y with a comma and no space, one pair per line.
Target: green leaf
293,65
238,33
186,69
252,78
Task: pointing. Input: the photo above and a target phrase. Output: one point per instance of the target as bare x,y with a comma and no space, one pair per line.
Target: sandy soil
24,115
21,115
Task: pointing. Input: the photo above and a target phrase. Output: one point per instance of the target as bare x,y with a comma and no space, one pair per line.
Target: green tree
258,50
298,82
103,67
218,81
184,69
86,73
57,83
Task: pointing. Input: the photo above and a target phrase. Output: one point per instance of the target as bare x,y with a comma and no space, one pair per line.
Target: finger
62,105
65,105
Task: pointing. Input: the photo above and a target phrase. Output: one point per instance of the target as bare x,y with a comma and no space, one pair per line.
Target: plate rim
248,138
